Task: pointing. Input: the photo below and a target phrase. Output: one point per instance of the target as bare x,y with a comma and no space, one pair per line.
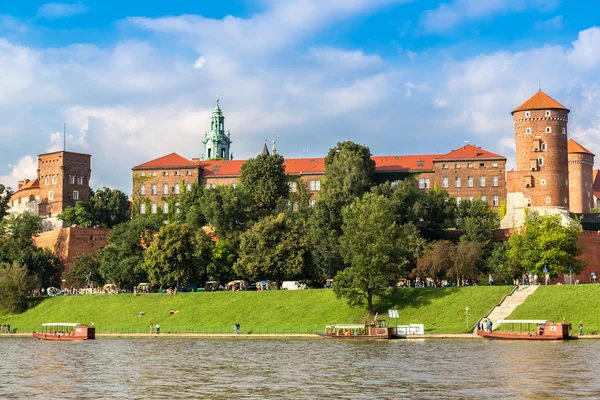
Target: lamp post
467,314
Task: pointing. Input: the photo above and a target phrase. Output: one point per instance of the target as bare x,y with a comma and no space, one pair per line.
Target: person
491,280
151,329
490,325
478,325
157,329
236,328
580,328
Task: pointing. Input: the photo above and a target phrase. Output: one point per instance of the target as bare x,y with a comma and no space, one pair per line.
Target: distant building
216,142
581,178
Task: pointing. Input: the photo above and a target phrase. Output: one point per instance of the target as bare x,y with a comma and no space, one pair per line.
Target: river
297,369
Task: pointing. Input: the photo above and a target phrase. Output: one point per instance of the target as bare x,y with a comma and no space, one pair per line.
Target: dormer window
548,129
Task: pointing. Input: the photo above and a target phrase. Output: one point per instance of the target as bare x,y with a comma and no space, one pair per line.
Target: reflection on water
297,369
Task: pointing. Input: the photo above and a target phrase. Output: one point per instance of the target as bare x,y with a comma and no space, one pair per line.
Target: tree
349,171
436,260
81,214
106,208
5,194
465,258
172,256
84,272
377,250
275,248
265,180
500,266
227,208
477,222
545,242
190,207
15,283
220,268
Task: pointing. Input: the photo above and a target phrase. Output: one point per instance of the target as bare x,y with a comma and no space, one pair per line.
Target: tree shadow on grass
400,298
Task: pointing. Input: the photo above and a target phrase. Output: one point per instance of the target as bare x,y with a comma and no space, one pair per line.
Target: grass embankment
441,310
574,302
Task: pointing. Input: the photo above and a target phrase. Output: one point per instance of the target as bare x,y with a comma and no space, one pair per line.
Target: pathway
504,309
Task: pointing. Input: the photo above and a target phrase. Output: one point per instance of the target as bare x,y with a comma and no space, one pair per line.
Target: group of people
157,327
4,328
485,325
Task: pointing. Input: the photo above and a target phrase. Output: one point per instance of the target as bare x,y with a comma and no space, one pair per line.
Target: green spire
216,142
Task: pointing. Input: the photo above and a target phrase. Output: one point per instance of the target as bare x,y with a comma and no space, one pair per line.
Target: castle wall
581,170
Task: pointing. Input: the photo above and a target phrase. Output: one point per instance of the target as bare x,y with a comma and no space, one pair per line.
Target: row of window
154,208
315,186
51,195
153,189
470,182
166,173
72,179
548,130
470,165
495,200
528,114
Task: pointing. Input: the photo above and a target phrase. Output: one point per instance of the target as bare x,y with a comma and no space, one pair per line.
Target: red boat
528,329
65,331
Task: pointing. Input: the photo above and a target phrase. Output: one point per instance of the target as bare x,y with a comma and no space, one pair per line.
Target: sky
135,80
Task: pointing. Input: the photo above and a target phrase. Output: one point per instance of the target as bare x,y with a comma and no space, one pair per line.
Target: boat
374,330
528,329
65,331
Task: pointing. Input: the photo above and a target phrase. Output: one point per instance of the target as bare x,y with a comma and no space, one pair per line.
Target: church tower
540,181
216,142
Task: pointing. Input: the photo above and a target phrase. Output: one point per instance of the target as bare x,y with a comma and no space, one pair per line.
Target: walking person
151,329
157,329
236,328
580,328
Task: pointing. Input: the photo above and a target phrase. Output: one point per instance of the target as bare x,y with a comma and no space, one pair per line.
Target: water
297,369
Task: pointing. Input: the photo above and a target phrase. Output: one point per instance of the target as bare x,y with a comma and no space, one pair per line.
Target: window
483,198
153,208
470,198
153,173
564,131
75,195
142,190
207,185
540,161
543,147
165,173
188,187
142,208
71,179
143,173
154,188
165,188
80,180
312,203
51,195
176,188
496,201
482,181
315,186
423,183
494,181
54,179
494,165
457,166
166,208
176,173
445,182
445,166
527,114
188,172
469,165
457,182
543,182
481,165
528,200
470,181
457,200
547,113
548,129
528,131
293,187
547,199
47,180
176,208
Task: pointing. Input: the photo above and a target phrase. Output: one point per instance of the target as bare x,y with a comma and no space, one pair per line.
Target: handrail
200,330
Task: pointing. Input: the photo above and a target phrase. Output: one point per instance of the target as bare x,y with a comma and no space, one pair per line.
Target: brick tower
540,181
581,171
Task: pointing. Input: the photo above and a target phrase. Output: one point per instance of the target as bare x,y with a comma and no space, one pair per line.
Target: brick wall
581,170
170,177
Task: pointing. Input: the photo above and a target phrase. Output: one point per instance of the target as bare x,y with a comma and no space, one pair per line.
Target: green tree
377,250
500,266
436,260
266,182
545,242
80,214
349,171
477,222
5,194
15,283
274,248
190,206
220,268
465,259
228,210
84,272
106,208
172,256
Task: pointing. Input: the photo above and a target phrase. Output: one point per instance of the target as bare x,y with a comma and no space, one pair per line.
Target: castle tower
581,171
540,181
217,143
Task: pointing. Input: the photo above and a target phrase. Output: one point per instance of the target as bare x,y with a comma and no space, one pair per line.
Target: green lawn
441,310
574,302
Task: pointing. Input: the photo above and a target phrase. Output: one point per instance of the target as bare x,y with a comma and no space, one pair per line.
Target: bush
15,282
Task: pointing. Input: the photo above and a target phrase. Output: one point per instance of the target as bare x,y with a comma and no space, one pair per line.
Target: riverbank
441,310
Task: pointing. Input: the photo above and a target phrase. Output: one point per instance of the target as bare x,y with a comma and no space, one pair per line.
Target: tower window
75,195
547,113
54,179
540,161
51,195
527,114
547,199
548,129
543,146
528,131
209,153
47,180
564,131
71,179
543,182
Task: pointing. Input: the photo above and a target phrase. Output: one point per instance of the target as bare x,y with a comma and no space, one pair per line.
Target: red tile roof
220,167
596,184
32,184
172,160
540,101
574,147
419,162
469,152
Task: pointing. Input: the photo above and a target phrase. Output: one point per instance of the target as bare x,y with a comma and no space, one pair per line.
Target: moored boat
528,329
65,331
374,330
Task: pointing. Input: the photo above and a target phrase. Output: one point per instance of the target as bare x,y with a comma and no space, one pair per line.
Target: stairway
504,309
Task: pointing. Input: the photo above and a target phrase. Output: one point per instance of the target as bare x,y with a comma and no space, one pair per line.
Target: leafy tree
376,248
436,260
5,194
190,206
122,258
545,242
80,214
227,208
220,268
500,266
275,248
465,258
106,208
84,272
172,256
15,283
266,182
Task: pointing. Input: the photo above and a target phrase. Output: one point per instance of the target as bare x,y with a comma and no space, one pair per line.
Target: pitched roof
574,147
220,167
596,183
540,101
419,162
172,160
29,184
469,152
265,151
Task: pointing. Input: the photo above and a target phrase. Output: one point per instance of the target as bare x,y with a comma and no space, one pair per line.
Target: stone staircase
504,309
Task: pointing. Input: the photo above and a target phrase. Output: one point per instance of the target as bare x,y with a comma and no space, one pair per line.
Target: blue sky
135,80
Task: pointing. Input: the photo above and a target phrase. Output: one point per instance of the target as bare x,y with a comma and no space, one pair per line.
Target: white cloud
343,59
551,24
448,16
61,10
25,168
200,61
586,48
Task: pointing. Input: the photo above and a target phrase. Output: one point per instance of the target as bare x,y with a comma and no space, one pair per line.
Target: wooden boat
374,330
65,331
528,329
